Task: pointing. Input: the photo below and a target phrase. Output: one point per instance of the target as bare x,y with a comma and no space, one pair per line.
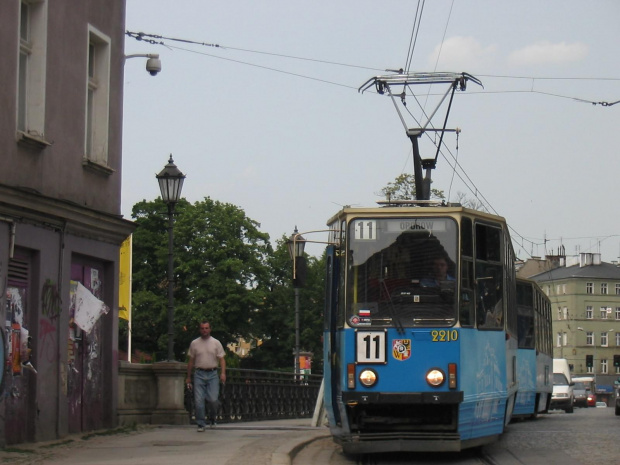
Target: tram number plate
366,230
370,346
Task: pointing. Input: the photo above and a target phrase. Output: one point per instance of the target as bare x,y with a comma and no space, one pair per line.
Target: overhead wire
415,30
265,67
151,38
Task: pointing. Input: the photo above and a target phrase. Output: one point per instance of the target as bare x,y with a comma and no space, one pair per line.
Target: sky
263,110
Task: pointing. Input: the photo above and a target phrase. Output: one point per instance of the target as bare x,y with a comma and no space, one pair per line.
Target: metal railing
251,395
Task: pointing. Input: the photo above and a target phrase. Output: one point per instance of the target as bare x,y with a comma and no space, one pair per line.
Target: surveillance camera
153,66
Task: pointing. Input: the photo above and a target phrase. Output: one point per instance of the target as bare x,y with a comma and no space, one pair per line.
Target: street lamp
296,245
579,328
170,183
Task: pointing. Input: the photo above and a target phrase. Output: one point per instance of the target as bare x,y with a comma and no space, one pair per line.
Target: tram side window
466,311
489,277
526,317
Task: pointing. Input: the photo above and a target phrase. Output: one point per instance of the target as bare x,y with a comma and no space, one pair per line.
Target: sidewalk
273,442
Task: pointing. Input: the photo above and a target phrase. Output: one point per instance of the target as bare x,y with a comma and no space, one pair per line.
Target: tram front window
402,272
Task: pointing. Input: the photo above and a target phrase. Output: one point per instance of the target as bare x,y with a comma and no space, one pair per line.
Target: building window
603,288
603,339
563,288
617,313
617,339
604,313
97,100
589,288
589,338
604,366
565,313
559,340
564,339
590,369
617,288
31,70
589,312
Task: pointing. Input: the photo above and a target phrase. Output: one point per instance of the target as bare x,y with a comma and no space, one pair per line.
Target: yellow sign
124,280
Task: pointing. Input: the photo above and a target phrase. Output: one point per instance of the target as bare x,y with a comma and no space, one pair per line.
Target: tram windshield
402,272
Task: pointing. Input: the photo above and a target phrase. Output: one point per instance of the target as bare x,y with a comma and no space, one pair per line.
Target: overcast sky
271,120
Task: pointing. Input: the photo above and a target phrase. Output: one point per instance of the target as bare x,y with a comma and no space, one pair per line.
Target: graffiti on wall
51,303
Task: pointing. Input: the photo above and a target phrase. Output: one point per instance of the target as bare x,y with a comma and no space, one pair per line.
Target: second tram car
535,352
420,328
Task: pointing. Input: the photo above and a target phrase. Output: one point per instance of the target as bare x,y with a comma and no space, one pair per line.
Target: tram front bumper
412,421
371,443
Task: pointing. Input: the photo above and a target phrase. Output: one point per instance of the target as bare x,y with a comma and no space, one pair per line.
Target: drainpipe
61,257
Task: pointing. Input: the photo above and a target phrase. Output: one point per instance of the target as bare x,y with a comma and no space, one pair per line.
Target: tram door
333,364
85,378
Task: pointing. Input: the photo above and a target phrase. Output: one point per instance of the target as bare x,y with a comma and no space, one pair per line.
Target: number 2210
444,335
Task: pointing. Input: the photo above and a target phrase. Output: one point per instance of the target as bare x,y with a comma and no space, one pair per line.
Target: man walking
204,353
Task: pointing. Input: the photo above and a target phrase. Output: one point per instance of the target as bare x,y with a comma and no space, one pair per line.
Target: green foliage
275,319
219,270
403,188
225,271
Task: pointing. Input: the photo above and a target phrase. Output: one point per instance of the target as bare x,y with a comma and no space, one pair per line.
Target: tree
220,266
403,188
474,204
275,319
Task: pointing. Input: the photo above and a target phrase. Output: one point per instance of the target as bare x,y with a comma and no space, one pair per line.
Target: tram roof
407,208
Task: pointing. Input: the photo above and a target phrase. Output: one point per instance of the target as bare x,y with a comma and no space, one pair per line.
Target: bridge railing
156,393
251,395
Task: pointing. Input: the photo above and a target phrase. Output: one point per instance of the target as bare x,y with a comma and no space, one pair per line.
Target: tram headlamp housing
435,377
368,377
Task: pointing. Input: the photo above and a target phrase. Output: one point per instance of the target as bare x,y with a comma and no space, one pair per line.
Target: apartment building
61,76
585,300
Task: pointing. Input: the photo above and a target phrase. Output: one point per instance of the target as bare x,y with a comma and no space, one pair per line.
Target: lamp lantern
170,183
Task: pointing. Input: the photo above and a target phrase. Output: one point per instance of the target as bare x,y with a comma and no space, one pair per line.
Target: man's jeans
206,386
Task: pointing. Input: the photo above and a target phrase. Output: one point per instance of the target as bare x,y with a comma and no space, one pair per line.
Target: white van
562,396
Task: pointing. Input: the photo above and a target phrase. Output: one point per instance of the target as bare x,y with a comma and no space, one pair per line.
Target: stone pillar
170,391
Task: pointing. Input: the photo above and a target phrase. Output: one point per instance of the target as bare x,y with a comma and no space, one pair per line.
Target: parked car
618,401
591,400
601,405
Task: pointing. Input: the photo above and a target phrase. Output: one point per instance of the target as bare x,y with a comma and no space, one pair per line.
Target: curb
285,454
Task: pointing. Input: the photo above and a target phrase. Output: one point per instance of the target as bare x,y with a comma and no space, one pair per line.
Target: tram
420,337
535,352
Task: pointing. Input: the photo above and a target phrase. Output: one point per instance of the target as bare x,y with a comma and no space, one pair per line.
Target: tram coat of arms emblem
401,349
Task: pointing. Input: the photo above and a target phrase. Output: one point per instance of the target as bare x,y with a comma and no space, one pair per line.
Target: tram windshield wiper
397,323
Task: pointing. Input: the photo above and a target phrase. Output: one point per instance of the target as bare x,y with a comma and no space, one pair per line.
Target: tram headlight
368,377
435,377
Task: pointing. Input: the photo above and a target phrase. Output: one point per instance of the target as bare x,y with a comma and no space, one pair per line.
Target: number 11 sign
370,346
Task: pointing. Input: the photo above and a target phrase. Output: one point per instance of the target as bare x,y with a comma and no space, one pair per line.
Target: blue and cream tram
420,328
535,352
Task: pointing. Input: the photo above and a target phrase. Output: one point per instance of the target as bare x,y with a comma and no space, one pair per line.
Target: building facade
585,300
61,76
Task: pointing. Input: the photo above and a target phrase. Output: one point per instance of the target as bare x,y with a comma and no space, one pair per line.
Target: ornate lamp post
170,183
296,245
